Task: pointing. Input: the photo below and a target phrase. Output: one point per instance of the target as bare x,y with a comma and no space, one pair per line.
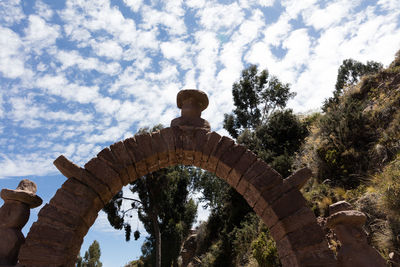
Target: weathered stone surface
299,219
144,144
282,207
200,138
51,214
339,206
137,156
104,173
267,197
178,135
119,151
224,144
228,160
108,157
27,186
268,180
43,255
31,199
244,163
55,235
317,257
161,148
298,179
348,217
212,141
70,170
354,250
14,214
187,138
192,102
85,208
10,243
167,135
258,168
307,238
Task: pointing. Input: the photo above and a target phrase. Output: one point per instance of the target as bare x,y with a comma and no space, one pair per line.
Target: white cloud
26,164
108,48
134,5
43,10
174,49
173,22
216,16
278,31
73,58
11,54
332,14
39,34
11,12
58,85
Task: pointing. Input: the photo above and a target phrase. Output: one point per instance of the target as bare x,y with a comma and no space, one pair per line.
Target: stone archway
55,239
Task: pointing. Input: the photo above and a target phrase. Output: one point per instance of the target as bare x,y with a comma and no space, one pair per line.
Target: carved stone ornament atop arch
56,237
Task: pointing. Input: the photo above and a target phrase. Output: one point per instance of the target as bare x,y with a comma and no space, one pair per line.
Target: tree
256,96
260,122
92,256
349,73
165,209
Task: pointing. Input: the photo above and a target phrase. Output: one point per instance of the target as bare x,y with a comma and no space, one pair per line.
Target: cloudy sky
77,76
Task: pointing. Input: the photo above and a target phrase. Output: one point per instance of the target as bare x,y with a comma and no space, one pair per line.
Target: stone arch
55,239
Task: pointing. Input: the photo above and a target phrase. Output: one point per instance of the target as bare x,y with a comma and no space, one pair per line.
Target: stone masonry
56,237
14,214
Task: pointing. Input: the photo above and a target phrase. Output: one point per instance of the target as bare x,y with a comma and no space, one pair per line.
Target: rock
339,206
14,214
27,186
355,251
31,199
347,217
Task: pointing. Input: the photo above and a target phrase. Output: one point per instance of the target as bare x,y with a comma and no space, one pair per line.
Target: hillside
353,149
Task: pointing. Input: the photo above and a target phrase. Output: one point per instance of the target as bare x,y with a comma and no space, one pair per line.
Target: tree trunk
157,235
154,220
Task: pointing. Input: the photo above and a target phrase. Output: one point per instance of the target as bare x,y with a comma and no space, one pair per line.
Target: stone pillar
354,251
191,102
14,214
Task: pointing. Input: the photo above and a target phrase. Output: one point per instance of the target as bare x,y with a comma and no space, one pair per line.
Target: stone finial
347,225
192,102
14,214
25,193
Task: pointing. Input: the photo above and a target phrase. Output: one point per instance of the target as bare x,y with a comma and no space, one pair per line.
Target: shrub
264,250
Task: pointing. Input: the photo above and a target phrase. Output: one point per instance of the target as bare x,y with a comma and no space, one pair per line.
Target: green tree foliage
260,122
349,73
165,209
255,96
264,250
92,256
350,128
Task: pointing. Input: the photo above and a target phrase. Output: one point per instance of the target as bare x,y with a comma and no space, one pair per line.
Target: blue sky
77,76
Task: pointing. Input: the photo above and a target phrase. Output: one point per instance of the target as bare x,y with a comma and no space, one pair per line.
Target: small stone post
192,102
14,214
347,224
